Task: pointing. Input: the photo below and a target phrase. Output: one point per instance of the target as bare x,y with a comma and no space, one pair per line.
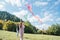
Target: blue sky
47,10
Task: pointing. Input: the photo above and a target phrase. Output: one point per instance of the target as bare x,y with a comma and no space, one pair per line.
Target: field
5,35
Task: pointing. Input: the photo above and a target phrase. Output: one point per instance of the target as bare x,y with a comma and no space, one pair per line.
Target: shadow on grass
26,37
0,39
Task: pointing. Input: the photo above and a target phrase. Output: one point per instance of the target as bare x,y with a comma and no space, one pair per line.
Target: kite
38,19
30,9
25,16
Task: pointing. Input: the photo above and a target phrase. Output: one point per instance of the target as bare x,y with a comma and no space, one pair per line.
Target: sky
47,10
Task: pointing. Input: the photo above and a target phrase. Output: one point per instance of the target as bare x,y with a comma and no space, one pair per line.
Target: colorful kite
30,9
38,19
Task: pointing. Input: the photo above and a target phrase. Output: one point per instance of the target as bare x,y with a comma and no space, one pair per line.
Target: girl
21,29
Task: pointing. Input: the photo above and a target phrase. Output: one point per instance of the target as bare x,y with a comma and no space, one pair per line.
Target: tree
1,24
54,29
29,28
9,26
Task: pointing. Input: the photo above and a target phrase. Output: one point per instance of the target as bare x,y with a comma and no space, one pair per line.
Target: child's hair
21,23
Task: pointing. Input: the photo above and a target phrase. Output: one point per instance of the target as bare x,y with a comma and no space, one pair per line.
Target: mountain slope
28,27
5,15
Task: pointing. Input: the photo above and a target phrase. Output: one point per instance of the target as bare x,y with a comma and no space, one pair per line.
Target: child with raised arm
21,30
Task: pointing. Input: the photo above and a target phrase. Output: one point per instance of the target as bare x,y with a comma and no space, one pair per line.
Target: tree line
9,22
54,29
11,26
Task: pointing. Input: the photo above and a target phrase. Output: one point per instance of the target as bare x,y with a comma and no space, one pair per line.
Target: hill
6,35
11,26
5,15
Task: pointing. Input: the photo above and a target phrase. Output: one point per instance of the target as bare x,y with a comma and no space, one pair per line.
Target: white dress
21,31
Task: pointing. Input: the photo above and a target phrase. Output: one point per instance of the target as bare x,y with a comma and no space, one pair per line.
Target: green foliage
29,28
41,32
5,26
54,29
5,15
1,24
9,26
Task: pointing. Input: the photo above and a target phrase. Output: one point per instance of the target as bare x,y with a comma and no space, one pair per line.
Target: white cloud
47,17
45,26
21,13
58,19
37,3
33,19
2,6
14,2
42,26
2,3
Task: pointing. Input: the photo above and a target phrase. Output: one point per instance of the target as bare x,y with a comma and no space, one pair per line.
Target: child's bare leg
21,36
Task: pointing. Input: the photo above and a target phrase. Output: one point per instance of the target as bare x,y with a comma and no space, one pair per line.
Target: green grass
5,35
